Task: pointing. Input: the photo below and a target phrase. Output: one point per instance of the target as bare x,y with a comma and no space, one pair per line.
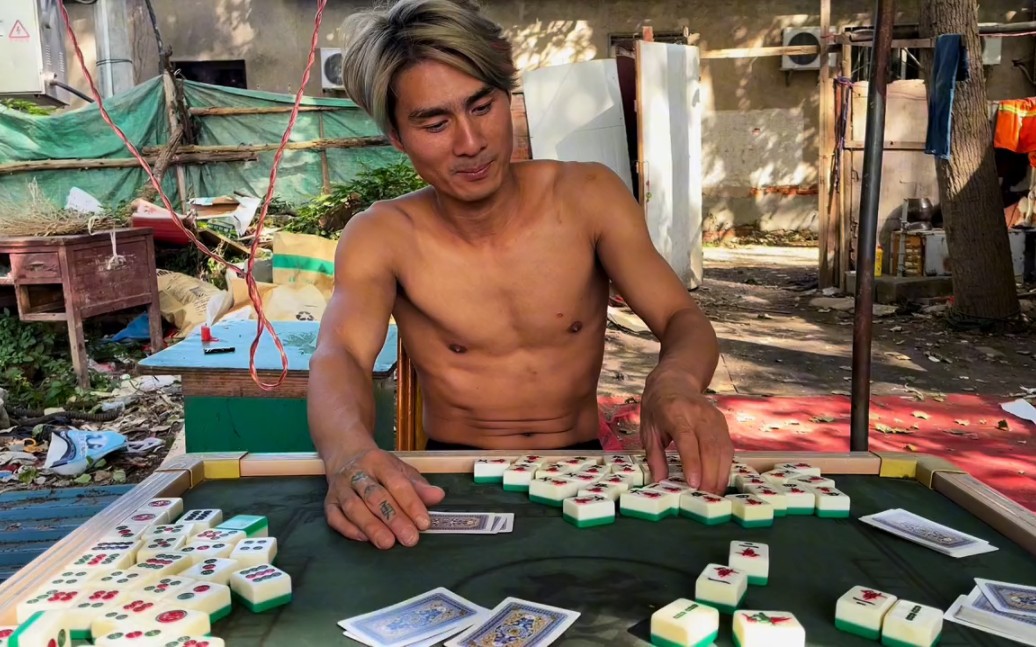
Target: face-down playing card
517,623
413,620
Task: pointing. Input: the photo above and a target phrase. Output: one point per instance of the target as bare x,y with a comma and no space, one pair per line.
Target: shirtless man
498,277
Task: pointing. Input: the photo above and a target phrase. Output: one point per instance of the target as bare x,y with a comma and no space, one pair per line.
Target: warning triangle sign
18,32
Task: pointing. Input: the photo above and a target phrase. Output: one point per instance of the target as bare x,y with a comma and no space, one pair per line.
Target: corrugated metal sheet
32,521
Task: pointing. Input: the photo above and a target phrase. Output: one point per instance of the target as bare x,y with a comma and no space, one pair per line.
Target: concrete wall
760,124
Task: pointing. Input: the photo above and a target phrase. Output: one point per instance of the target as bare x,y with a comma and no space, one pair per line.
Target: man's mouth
474,172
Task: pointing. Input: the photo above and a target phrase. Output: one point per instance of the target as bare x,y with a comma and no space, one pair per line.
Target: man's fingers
337,520
357,512
387,510
430,494
404,491
654,448
691,457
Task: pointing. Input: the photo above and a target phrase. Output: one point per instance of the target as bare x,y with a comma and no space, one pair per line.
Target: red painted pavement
1005,459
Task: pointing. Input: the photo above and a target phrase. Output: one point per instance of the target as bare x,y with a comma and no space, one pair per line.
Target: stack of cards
440,615
470,523
423,620
925,532
999,608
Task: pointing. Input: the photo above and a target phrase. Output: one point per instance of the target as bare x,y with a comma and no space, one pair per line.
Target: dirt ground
773,342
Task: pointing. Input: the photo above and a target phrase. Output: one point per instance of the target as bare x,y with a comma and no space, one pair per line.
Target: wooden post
827,216
174,126
845,189
324,167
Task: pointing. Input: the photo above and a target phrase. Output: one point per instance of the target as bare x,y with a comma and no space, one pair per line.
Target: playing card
1005,597
978,610
956,614
504,522
477,523
517,623
411,621
434,640
928,533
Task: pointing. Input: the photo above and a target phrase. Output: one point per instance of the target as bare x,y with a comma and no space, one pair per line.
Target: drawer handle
36,265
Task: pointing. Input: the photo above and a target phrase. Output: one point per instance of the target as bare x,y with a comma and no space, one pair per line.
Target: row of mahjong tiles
164,576
587,490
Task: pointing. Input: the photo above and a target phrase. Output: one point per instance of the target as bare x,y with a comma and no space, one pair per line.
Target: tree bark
984,290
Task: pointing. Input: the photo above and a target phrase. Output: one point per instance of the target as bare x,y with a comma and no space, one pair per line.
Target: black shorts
590,445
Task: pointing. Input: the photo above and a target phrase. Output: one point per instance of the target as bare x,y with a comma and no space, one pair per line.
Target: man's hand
671,411
373,496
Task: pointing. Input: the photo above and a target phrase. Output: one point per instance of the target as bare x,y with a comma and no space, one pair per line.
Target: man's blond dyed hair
381,43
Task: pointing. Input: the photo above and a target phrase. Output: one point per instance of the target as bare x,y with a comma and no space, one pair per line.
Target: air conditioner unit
801,37
331,68
32,51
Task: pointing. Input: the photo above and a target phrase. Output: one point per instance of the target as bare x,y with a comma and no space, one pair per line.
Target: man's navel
575,327
457,348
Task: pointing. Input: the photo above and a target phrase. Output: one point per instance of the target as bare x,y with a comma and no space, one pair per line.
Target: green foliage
36,368
28,107
328,213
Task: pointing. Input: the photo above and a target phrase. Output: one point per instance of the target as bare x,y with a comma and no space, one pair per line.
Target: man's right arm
372,495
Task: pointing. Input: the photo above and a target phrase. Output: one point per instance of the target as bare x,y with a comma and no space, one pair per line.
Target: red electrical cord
253,290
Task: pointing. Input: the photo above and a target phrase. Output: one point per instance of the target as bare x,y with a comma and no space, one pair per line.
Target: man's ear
394,139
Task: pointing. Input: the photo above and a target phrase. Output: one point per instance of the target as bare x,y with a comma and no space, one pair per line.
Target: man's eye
436,127
484,108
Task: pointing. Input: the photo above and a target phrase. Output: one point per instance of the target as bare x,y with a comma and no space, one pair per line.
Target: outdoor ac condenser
32,51
801,37
331,68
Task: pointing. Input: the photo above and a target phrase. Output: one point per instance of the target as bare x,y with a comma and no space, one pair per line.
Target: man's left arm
674,406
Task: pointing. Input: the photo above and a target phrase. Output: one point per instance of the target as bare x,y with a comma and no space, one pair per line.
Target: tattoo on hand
357,477
386,510
367,490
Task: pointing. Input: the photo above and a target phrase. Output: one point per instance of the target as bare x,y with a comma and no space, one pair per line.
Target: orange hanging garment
1016,126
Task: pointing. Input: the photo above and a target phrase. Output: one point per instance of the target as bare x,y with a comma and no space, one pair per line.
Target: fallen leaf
819,419
910,448
922,415
962,423
83,479
885,429
1003,425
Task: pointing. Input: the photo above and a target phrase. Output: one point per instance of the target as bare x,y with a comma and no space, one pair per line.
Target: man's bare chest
520,295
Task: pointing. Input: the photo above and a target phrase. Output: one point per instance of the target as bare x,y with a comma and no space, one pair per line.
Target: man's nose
468,140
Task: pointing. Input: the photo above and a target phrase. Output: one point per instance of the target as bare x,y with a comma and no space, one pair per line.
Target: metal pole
868,228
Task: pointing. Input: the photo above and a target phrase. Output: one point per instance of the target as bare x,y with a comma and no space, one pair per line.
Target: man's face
455,129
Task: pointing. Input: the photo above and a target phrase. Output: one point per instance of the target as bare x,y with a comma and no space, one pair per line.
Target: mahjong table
614,575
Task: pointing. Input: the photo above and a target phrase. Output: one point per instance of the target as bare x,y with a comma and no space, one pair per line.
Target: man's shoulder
566,177
388,216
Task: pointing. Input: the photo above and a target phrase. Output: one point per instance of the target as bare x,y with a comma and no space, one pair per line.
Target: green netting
140,113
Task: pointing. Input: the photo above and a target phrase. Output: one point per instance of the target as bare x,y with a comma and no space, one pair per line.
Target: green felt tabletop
615,575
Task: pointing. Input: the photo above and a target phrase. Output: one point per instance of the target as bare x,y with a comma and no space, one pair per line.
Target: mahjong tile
616,480
800,467
253,525
577,463
47,601
70,578
765,628
213,569
208,597
126,613
129,530
554,469
217,535
170,530
94,602
109,543
148,517
173,505
490,470
611,459
201,551
103,561
606,490
261,587
162,564
133,635
531,459
5,633
253,552
167,586
157,545
201,518
721,586
178,619
128,580
43,628
196,641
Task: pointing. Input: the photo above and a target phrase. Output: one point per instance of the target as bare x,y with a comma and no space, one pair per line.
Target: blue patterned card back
517,625
410,621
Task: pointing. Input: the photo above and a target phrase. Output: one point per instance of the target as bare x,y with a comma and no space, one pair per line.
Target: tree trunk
976,231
